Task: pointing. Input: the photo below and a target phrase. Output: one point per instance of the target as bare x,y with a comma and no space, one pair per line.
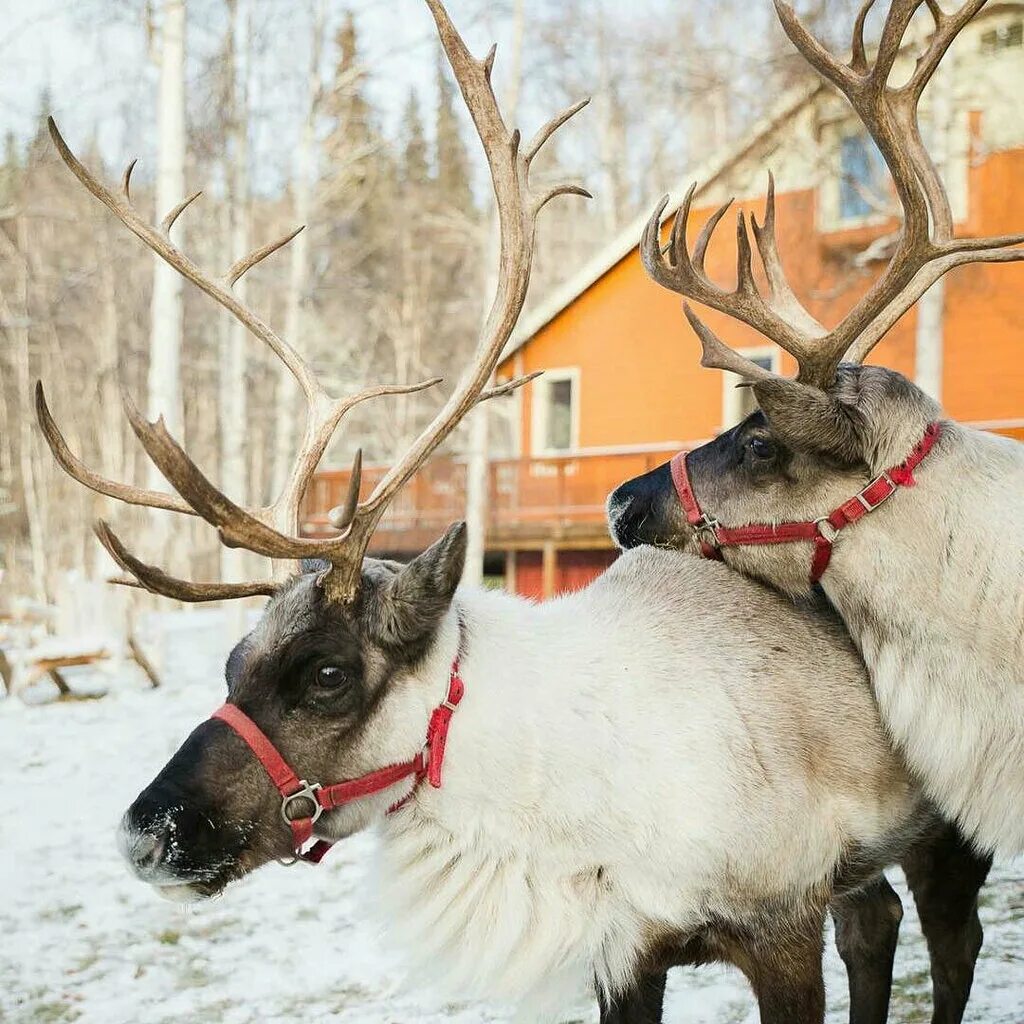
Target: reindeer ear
810,420
413,603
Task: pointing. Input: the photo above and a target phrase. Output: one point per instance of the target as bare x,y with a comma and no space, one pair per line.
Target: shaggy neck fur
622,769
929,586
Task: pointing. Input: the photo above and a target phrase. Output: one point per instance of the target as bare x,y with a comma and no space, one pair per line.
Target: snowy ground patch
81,941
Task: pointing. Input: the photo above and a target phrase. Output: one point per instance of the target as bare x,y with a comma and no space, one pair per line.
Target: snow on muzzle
208,817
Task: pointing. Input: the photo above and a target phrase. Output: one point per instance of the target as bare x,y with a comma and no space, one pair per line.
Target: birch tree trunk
234,339
929,336
478,463
287,403
18,319
167,308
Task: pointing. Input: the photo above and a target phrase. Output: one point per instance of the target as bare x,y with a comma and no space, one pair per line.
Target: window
555,411
739,403
1003,38
862,176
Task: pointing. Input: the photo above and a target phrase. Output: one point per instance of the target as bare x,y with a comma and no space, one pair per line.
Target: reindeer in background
930,586
850,477
601,794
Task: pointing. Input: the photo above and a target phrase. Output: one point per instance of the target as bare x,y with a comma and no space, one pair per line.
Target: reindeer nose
144,849
623,513
149,850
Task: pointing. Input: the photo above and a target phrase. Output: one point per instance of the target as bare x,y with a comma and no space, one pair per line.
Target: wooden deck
533,501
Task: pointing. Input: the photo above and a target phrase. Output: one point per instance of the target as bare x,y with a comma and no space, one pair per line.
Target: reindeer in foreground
929,582
576,794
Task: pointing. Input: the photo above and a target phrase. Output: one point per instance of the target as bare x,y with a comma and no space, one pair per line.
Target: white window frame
539,411
732,397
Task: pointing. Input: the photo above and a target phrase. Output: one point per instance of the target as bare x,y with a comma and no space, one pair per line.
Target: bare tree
167,309
929,335
478,462
16,319
287,394
233,384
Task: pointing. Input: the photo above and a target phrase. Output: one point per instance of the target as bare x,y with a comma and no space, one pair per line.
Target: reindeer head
337,687
330,675
819,438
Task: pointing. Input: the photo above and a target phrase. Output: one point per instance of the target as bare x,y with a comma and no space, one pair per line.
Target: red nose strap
822,532
313,798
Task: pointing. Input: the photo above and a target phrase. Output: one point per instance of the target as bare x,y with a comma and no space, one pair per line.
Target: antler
273,530
924,251
779,316
517,205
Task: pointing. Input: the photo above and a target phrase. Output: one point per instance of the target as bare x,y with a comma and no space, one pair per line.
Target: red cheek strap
298,795
711,536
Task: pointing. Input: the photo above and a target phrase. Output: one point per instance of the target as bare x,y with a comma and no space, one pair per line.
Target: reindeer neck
930,594
508,651
922,571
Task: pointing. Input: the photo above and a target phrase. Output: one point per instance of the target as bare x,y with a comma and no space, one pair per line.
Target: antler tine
925,278
716,355
568,189
341,516
156,581
126,179
840,74
895,28
547,130
780,293
246,263
650,248
168,222
509,386
947,27
859,58
677,250
78,470
700,247
318,434
744,269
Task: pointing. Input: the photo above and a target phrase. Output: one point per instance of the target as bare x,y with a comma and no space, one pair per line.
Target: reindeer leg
792,994
944,874
867,929
641,1003
783,964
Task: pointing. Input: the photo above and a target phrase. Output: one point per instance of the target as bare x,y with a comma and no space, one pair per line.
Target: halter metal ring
826,529
306,792
706,530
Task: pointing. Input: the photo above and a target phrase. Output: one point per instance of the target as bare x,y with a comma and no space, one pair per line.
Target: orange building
623,388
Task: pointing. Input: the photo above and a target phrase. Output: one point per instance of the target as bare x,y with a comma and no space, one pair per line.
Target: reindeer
601,792
850,477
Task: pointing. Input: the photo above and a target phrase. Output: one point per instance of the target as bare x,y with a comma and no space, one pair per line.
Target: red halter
425,765
712,536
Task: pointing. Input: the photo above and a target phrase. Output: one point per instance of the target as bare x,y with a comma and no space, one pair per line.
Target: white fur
620,768
930,587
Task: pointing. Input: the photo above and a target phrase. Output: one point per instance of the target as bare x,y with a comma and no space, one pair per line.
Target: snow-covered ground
81,941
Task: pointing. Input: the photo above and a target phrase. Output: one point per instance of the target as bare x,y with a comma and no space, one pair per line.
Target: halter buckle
706,530
871,506
305,792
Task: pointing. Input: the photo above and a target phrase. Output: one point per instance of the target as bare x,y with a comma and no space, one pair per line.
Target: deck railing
531,499
527,496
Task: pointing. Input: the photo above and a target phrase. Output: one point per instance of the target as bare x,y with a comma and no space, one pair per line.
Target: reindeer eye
330,676
761,448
